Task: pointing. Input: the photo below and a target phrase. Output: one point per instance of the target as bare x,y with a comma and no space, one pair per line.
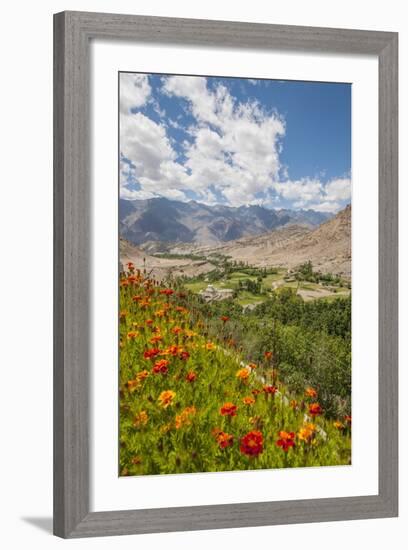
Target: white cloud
312,193
233,150
236,145
330,207
338,189
135,90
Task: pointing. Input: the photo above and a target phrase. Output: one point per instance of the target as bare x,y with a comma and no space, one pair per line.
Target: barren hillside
328,246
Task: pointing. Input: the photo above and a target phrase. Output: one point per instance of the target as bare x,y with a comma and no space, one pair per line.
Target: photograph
235,273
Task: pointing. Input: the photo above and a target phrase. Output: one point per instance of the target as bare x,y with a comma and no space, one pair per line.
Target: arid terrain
328,247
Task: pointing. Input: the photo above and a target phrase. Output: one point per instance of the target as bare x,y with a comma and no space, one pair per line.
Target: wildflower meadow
189,403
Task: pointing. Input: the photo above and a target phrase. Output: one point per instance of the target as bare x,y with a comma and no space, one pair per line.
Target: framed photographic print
225,274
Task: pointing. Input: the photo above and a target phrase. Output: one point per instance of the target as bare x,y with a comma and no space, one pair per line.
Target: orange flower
268,355
149,322
141,419
287,440
136,298
132,384
209,346
176,330
132,335
224,318
148,354
310,392
142,375
172,350
339,425
252,443
270,389
184,355
248,400
161,366
229,409
181,309
252,366
307,432
191,376
122,316
293,404
315,409
166,398
184,419
156,339
242,374
224,439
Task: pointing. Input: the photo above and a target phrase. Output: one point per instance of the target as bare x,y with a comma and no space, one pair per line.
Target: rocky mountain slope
163,220
327,246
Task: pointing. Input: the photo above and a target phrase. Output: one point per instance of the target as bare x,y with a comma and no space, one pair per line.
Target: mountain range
327,246
163,220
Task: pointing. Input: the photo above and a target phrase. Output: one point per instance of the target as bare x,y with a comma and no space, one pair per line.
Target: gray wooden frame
72,34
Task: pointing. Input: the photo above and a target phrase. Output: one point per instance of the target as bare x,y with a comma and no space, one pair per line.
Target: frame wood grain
72,34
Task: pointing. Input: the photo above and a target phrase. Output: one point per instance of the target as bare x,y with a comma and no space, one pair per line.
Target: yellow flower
307,432
166,398
209,346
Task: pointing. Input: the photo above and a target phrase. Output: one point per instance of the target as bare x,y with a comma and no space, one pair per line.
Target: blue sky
234,141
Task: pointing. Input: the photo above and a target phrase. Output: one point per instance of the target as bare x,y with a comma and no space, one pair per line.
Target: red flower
347,419
191,376
287,440
270,389
229,409
167,291
224,318
148,354
161,366
268,354
184,355
252,443
315,409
